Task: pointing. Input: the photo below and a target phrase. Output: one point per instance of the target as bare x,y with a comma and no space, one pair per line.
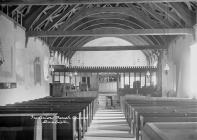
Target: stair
108,125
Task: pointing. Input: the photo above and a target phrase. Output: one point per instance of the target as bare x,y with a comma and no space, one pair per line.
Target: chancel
98,70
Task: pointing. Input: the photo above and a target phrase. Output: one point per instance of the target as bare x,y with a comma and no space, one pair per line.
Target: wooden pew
144,120
160,113
170,131
181,102
44,108
85,110
132,110
58,101
69,126
130,115
172,107
158,103
23,126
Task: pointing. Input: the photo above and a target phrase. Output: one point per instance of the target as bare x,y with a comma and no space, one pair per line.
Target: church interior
98,70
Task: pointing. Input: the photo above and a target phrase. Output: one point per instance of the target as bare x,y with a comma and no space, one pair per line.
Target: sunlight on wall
193,72
108,41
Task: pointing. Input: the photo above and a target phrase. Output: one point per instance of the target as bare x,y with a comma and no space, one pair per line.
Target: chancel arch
108,58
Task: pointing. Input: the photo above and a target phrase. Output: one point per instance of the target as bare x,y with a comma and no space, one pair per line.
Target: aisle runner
108,125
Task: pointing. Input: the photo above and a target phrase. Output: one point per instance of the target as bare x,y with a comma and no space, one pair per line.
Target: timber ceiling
66,25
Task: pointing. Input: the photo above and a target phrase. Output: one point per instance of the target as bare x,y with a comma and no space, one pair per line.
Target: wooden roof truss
66,25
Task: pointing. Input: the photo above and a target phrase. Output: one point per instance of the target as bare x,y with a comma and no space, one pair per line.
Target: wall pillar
164,76
117,81
159,72
195,28
195,32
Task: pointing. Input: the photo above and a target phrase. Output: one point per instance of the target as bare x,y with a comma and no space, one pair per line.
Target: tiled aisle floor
108,125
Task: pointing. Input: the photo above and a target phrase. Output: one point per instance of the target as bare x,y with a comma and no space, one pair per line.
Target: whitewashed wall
18,66
108,58
178,59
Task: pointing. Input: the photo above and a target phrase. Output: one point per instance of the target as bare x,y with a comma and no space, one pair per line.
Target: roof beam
60,2
43,18
59,18
183,13
109,48
31,18
155,15
169,13
129,12
111,32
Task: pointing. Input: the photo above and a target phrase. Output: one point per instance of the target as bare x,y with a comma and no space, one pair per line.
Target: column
145,79
124,79
129,80
117,81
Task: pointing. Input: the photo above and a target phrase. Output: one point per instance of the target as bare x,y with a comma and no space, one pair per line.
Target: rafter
63,15
56,41
155,15
183,13
60,2
104,13
29,21
169,13
43,18
109,48
17,8
112,32
107,21
95,12
59,18
119,25
130,12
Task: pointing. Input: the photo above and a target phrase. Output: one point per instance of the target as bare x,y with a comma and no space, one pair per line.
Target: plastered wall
178,59
20,55
109,58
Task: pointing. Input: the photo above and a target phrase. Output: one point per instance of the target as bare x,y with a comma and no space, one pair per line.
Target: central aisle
108,125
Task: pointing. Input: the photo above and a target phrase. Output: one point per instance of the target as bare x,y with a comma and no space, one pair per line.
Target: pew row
136,112
73,116
170,131
16,125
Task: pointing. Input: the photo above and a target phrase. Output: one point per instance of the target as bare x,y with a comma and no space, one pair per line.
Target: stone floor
108,125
